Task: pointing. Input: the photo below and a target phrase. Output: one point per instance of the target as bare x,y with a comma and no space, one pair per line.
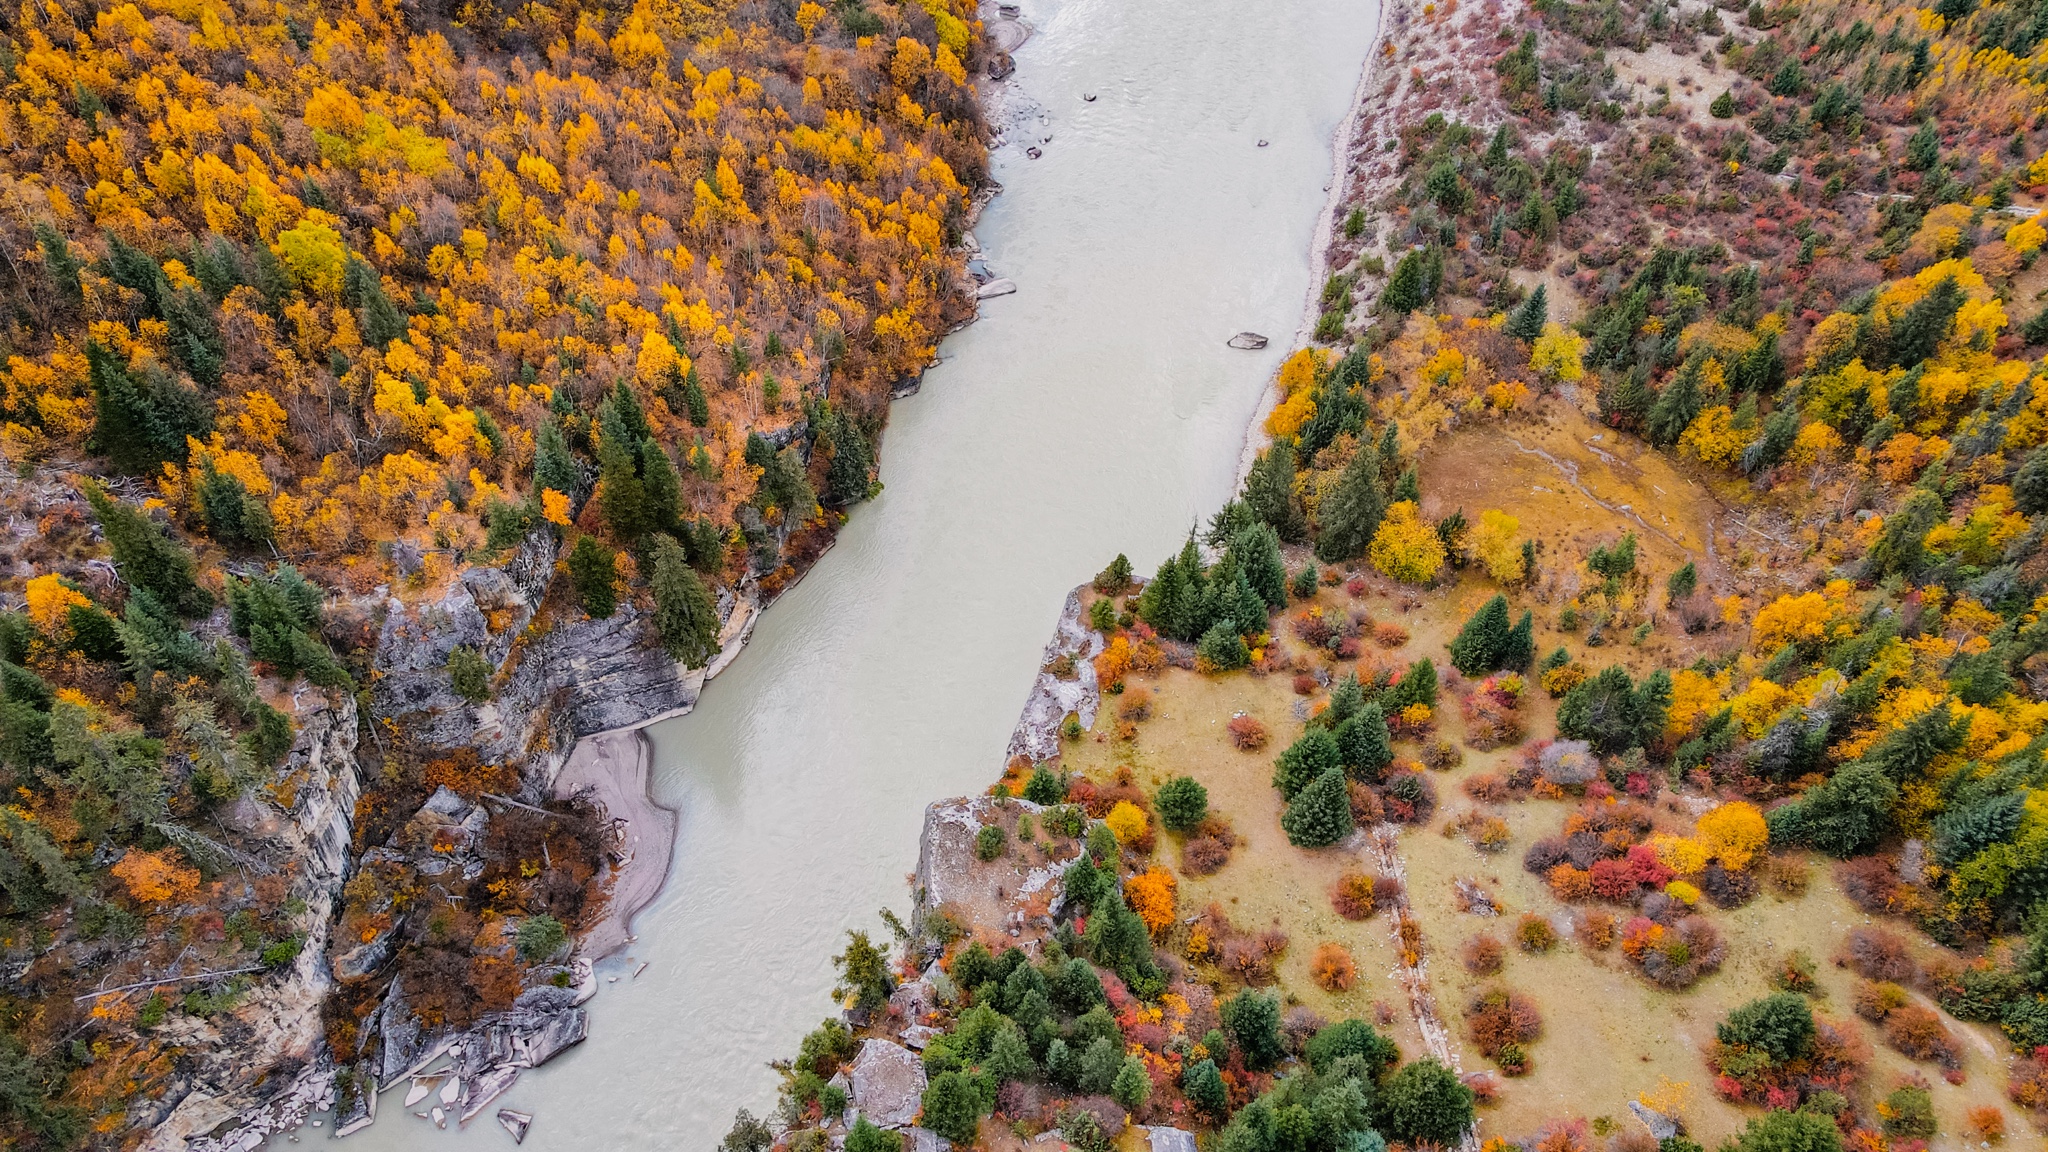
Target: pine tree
135,426
1520,648
1203,1085
660,487
847,477
694,400
1352,511
1483,641
1131,1087
1683,582
382,322
1677,405
1527,322
60,266
591,572
1408,487
1189,617
1390,455
1270,491
1918,333
1307,758
553,465
1406,286
622,493
1258,556
1163,602
1364,744
1923,147
684,612
146,555
1417,686
1345,701
1223,648
1320,814
1249,612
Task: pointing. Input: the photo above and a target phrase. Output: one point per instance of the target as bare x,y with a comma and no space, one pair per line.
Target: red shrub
1486,787
1247,733
1389,635
1613,880
1873,884
1918,1032
1305,684
1483,954
1498,1017
1333,968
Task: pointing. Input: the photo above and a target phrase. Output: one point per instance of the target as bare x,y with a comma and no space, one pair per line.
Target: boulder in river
516,1123
888,1083
1247,341
1001,286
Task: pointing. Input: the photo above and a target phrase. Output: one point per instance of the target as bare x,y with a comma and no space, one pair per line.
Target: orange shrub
1534,934
1388,634
1333,968
155,877
1114,661
1483,954
1570,884
1352,896
1596,930
1988,1122
1151,897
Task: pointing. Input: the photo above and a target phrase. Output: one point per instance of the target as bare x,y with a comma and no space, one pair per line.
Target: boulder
1247,341
888,1083
923,1141
1170,1139
1000,286
1661,1126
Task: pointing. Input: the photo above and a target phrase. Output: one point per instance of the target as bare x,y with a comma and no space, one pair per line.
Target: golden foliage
1497,542
1405,548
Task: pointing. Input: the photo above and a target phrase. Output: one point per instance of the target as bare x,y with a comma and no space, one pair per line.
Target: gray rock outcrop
888,1083
1038,730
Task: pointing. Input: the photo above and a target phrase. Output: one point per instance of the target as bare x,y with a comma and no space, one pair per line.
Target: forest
313,308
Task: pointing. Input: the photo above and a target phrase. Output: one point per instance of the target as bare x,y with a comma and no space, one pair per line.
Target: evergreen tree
1923,147
1678,404
1320,814
1346,700
1270,491
1249,611
1182,803
1305,760
1483,642
1521,644
1131,1087
1364,744
1223,648
1682,583
1844,817
60,266
685,613
1409,487
694,401
1527,322
553,465
847,477
1258,557
1918,333
658,484
1625,402
1417,686
1407,287
622,493
1900,545
591,572
1203,1085
139,424
1351,513
382,322
1253,1020
146,555
1424,1102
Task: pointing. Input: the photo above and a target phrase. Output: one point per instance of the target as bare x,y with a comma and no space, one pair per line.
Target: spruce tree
1521,644
1203,1085
1527,322
1270,491
1409,487
1682,583
1351,514
622,494
1258,555
694,400
1364,744
662,491
1917,333
591,572
382,322
1345,701
130,427
1417,686
60,265
1249,612
1189,618
1406,288
1223,648
1163,602
553,465
1320,814
1677,405
1483,641
846,478
685,613
146,555
1304,760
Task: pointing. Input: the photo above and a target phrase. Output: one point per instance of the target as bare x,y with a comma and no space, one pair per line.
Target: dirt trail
1383,844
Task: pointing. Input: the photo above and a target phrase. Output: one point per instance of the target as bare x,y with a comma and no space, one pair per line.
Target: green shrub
469,674
990,842
1425,1101
540,937
1182,803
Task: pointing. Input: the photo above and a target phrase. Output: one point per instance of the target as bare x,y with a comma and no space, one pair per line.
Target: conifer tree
1682,583
553,465
60,265
660,487
1258,556
1527,322
382,322
1249,611
137,426
622,492
1352,511
1320,814
1406,288
592,571
1416,686
1270,491
694,400
1203,1085
1305,759
1917,333
146,555
847,477
1364,744
1482,643
1520,648
1678,404
1409,487
1345,701
685,613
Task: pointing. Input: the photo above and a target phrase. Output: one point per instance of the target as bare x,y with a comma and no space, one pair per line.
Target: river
1095,411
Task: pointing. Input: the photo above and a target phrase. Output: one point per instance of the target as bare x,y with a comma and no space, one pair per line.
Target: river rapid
1095,411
